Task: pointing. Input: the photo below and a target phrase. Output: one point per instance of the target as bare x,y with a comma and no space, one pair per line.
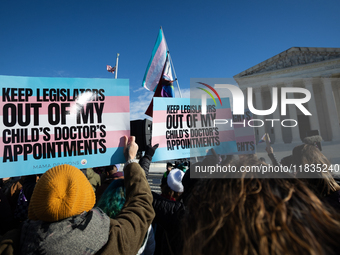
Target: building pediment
295,56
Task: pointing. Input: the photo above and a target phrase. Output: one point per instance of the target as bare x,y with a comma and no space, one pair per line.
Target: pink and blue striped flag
265,138
156,64
167,81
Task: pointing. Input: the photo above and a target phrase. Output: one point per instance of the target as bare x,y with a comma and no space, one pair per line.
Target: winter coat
167,224
86,233
6,215
145,162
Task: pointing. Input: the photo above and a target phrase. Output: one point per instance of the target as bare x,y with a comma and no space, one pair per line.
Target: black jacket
167,224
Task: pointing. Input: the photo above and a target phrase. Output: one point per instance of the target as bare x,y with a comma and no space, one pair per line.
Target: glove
150,151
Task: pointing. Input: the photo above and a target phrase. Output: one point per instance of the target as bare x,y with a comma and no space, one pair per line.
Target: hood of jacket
90,173
86,233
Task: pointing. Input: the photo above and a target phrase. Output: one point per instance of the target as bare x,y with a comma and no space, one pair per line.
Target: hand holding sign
130,148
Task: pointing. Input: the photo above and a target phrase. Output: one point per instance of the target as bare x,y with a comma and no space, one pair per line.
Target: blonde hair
321,183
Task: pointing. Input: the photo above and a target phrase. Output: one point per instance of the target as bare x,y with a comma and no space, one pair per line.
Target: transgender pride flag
156,64
181,134
51,121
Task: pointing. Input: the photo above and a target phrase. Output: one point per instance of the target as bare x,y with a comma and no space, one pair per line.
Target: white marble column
276,117
336,93
244,91
259,106
293,115
331,107
314,119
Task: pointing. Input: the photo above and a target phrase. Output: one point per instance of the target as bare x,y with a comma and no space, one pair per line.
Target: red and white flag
110,69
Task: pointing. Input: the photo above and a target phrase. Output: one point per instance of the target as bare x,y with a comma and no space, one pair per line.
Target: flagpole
173,68
172,65
116,71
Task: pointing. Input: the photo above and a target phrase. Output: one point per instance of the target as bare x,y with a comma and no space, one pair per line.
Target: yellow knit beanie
61,192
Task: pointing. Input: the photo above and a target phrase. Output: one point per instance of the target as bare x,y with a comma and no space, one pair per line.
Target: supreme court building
315,69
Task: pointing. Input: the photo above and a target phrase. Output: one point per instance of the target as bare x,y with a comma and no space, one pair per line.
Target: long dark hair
252,215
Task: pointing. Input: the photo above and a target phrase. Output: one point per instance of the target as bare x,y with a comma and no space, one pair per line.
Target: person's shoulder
165,175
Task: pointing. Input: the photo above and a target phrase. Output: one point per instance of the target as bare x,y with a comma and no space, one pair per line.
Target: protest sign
182,130
244,133
51,121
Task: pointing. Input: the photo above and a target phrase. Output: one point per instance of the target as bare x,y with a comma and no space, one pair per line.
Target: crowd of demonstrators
63,218
248,214
245,213
72,211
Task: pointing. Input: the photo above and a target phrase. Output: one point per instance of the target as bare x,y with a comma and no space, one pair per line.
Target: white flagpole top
116,72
